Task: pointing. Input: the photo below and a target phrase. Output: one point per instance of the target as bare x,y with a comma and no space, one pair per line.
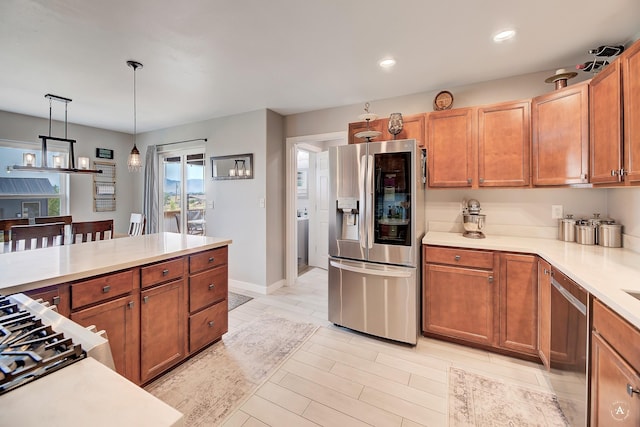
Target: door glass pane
195,194
392,198
172,193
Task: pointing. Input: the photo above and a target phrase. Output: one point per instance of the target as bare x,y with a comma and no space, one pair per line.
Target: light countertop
604,272
85,393
26,270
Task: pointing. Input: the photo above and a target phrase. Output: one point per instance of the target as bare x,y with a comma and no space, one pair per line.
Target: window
29,194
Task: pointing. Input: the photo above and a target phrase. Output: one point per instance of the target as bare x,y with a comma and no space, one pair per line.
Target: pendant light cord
135,119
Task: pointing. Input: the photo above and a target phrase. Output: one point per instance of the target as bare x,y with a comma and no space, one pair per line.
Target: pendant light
134,163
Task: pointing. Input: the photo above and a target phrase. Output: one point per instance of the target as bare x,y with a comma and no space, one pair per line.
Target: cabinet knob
165,272
145,299
614,172
631,390
481,180
490,279
211,286
469,181
622,172
211,259
106,289
211,323
56,300
457,257
131,304
546,271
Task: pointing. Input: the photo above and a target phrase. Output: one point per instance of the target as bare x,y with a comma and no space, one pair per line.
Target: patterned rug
209,386
236,300
479,401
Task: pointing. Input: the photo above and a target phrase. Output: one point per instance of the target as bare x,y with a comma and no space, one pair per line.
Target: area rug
236,300
212,384
479,401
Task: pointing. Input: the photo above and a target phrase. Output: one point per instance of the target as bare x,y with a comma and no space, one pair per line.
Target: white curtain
151,207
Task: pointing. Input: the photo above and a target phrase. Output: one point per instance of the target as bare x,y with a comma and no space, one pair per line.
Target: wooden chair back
91,231
45,235
137,223
66,219
6,224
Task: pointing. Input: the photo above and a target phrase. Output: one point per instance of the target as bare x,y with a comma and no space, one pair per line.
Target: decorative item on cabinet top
443,100
560,78
395,124
237,166
368,117
599,54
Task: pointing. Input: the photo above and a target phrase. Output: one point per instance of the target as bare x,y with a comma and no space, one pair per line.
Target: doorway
308,189
182,193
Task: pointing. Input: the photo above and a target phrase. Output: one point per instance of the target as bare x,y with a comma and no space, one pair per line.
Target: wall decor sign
104,153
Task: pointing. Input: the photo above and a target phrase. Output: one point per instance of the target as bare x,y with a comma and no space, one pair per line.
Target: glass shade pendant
134,163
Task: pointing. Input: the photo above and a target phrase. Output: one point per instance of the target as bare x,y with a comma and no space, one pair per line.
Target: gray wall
19,127
275,166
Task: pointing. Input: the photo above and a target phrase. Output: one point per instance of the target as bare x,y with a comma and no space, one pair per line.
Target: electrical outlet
556,212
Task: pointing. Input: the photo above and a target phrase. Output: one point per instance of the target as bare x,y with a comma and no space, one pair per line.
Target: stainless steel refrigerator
375,230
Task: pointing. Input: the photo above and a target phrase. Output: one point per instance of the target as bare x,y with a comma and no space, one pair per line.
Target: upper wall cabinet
560,132
356,127
413,128
614,100
504,145
450,138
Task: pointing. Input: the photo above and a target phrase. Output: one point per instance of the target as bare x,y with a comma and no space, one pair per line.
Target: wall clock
443,100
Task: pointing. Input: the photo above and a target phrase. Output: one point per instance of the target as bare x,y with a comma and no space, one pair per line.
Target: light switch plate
556,212
261,202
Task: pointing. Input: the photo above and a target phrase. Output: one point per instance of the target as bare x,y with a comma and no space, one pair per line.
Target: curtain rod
179,142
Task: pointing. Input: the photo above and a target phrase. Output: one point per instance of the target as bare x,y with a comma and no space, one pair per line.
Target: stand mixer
472,220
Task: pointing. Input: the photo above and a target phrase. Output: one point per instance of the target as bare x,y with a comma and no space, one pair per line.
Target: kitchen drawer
459,257
619,333
161,272
207,326
101,288
208,259
207,287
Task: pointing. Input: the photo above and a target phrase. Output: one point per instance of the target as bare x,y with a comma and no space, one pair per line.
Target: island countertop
26,270
606,273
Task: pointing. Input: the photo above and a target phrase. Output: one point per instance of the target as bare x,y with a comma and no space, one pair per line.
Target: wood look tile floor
343,378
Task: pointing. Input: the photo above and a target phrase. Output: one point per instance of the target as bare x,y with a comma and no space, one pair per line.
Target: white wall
624,207
275,192
19,127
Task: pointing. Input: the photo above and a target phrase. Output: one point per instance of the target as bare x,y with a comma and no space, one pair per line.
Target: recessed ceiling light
504,35
387,62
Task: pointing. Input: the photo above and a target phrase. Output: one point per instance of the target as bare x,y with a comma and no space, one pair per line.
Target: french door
182,191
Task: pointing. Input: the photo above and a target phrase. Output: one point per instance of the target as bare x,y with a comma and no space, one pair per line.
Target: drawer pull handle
165,272
145,299
130,305
457,257
56,300
631,390
211,259
106,289
211,323
490,279
211,286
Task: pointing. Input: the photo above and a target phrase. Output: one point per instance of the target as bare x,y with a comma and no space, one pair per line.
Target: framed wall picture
104,153
30,209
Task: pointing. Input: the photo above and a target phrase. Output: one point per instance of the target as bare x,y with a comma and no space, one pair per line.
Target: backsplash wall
513,212
624,207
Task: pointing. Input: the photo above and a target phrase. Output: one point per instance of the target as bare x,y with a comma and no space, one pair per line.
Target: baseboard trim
258,289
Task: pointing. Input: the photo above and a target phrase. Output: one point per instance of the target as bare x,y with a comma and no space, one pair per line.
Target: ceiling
211,58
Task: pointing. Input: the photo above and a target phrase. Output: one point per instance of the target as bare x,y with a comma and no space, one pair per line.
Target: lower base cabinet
208,325
162,328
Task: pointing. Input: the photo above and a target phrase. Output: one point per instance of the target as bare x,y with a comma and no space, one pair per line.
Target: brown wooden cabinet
544,312
614,115
413,128
162,328
120,318
459,294
504,145
450,145
57,295
354,128
615,367
560,136
518,303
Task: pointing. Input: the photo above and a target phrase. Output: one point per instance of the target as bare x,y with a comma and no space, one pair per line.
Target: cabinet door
356,127
631,98
413,128
544,312
560,134
57,295
615,387
518,308
458,302
605,122
504,145
162,328
120,318
450,144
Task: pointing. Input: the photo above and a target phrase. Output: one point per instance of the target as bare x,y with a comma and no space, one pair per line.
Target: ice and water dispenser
349,215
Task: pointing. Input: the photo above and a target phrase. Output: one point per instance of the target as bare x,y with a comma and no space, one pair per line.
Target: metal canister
585,232
610,235
595,222
567,229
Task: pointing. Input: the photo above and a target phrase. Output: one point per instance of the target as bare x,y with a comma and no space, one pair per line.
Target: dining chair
45,235
91,231
66,219
137,223
5,227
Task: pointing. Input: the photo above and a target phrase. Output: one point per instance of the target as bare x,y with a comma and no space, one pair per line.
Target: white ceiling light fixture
387,63
504,35
134,163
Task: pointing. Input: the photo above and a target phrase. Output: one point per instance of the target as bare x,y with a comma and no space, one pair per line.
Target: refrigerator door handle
363,205
387,272
369,213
